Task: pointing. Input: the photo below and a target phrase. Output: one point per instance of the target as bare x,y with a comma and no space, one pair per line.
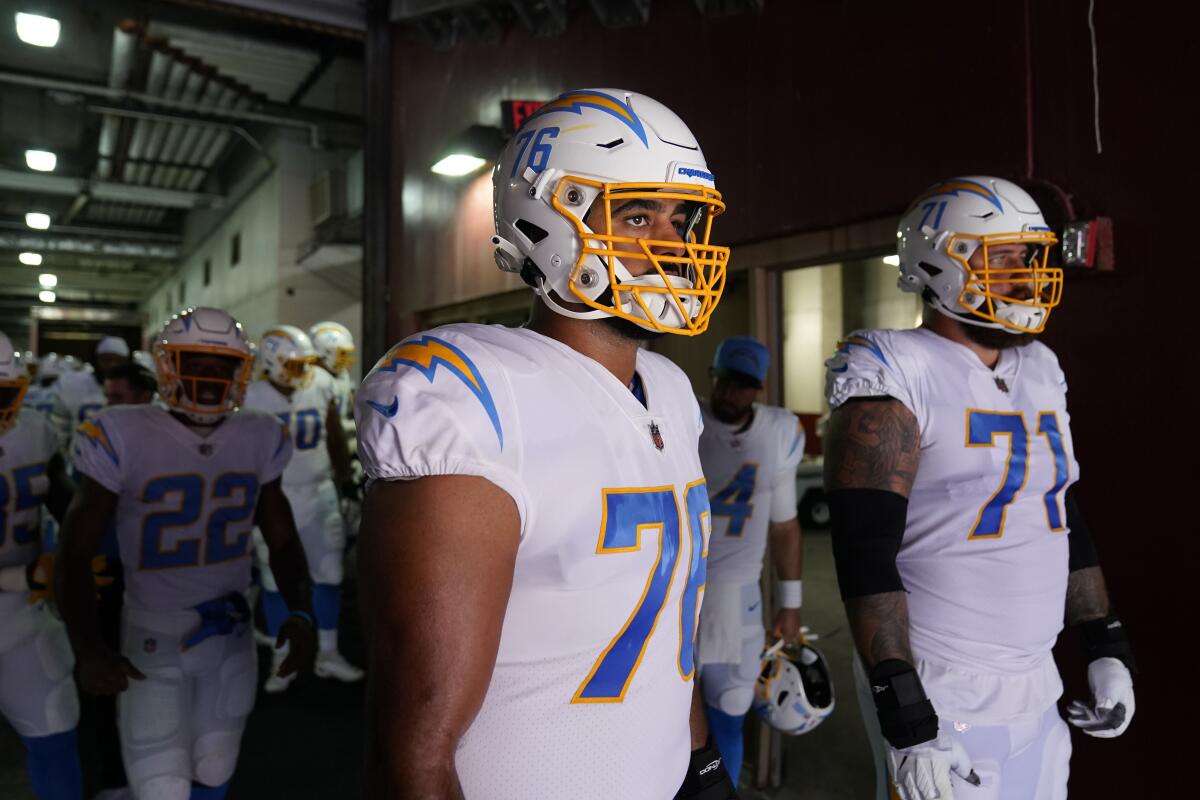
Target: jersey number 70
628,513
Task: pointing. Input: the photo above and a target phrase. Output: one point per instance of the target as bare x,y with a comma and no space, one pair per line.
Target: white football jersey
47,400
186,502
82,394
25,451
304,414
591,689
984,555
751,478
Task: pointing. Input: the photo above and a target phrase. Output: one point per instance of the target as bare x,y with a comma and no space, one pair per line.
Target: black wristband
906,717
707,778
1106,638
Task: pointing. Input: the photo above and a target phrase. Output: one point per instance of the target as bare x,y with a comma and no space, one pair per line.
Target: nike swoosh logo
387,411
751,608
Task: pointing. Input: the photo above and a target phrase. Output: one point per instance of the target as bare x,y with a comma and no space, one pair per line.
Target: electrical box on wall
1087,244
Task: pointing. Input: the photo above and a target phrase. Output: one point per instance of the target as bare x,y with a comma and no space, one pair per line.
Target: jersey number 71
982,429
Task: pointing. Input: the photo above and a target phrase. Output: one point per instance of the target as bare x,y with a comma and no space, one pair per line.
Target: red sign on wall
514,112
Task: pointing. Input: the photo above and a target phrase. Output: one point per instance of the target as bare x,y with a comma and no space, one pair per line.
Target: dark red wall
816,114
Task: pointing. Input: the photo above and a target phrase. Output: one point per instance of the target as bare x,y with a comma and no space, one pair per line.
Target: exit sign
514,112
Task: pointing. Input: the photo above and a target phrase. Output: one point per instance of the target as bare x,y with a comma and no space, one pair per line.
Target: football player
304,399
185,482
749,452
37,693
125,384
532,547
42,394
335,353
83,390
958,541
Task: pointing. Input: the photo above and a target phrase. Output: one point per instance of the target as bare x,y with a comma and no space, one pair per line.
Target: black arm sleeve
1082,548
868,526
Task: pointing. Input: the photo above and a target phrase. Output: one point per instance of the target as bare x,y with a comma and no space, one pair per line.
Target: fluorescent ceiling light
30,259
458,164
37,220
46,296
892,261
41,160
48,280
37,30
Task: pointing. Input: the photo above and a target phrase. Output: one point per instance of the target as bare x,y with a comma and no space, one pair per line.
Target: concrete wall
268,286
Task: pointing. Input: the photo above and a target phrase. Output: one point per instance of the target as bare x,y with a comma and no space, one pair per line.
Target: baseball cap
744,355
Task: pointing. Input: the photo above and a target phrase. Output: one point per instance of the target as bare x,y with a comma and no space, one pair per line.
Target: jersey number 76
627,514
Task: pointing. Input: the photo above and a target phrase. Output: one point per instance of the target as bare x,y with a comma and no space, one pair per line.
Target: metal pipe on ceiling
107,190
313,129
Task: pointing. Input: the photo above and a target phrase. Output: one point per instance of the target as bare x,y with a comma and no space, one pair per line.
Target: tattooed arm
874,443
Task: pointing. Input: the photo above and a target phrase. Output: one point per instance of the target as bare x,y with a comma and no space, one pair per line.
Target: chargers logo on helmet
575,101
954,188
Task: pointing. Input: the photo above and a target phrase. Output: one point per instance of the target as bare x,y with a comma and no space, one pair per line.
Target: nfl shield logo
206,449
150,645
655,436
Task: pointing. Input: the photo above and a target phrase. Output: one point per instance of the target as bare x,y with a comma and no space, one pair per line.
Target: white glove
1111,708
922,772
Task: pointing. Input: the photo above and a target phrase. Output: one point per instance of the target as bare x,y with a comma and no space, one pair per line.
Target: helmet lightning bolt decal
957,186
575,102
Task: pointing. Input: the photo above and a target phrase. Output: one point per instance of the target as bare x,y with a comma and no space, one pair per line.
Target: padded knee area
149,712
163,787
62,706
216,756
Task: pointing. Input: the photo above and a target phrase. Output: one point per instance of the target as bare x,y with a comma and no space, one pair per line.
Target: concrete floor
307,743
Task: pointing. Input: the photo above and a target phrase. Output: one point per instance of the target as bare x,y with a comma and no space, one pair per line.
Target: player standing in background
532,547
335,353
37,694
750,453
959,544
303,398
82,391
185,484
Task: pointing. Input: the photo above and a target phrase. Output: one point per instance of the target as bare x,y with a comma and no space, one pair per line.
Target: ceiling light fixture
41,160
30,259
47,296
48,280
37,30
37,220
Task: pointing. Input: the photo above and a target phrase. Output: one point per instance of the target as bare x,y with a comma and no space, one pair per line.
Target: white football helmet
953,219
334,345
794,693
144,360
195,390
286,356
14,381
608,146
49,368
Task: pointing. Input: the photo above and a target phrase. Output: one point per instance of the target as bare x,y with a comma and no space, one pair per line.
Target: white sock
279,655
327,640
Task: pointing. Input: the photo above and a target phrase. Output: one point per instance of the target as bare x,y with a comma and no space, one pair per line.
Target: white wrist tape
789,594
